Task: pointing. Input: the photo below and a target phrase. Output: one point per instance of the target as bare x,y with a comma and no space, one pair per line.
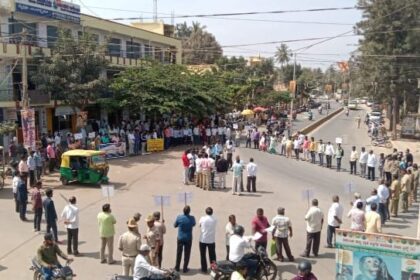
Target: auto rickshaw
84,166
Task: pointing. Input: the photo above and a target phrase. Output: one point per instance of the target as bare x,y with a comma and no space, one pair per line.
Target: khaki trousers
154,257
393,206
127,265
206,180
107,242
199,179
404,201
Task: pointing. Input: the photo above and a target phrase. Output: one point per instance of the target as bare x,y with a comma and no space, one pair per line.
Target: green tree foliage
282,54
73,73
158,88
388,60
198,45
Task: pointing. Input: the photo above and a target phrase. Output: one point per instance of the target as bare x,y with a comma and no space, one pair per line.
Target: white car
352,105
369,103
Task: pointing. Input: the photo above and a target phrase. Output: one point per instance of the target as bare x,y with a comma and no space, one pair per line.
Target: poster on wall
82,119
28,128
364,256
114,150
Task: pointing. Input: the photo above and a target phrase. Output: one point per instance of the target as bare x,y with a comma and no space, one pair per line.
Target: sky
249,29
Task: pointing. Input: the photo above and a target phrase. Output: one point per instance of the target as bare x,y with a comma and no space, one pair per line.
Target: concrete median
311,127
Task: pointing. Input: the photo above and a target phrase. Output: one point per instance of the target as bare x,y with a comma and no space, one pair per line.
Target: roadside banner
28,128
113,150
362,255
155,145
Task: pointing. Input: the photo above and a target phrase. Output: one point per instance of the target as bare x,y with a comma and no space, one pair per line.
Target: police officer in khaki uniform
153,239
129,244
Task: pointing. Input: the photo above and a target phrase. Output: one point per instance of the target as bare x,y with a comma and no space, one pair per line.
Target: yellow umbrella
247,112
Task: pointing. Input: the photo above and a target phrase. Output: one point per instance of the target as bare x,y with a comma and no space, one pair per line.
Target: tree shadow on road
2,268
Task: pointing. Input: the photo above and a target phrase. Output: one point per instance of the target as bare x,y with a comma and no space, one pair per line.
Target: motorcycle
266,269
173,275
381,142
63,273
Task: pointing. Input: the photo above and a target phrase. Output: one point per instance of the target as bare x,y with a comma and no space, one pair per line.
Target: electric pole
294,88
25,96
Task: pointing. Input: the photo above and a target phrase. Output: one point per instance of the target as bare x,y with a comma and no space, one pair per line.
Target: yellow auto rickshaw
84,166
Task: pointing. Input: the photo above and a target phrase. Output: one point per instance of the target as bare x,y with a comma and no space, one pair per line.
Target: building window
133,49
148,51
52,36
16,28
114,47
158,54
93,37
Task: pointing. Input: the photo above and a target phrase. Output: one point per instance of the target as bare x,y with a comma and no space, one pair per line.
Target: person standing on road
405,189
289,147
312,150
251,169
321,152
51,154
339,154
388,168
129,244
335,214
70,216
395,190
31,168
222,167
22,198
39,164
383,194
281,233
229,152
15,183
373,220
363,158
371,165
36,199
357,216
416,174
329,153
50,213
160,226
259,223
185,224
106,222
409,159
152,237
229,232
296,147
237,176
381,166
23,170
353,160
207,238
186,165
314,220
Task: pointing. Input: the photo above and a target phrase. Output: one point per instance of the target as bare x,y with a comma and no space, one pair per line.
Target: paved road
280,183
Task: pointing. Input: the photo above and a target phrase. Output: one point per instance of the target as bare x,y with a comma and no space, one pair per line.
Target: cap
149,218
144,248
49,237
131,223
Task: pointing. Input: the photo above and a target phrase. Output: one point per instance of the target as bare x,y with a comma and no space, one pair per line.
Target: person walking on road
373,220
251,169
395,190
185,224
371,163
129,243
160,226
106,222
50,214
207,238
281,233
70,216
357,216
339,154
335,215
229,232
329,153
354,156
259,223
363,158
36,199
314,220
321,152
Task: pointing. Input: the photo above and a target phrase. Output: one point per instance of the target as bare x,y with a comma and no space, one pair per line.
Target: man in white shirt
329,152
282,231
15,183
321,151
143,270
207,238
362,162
251,169
70,216
383,194
314,220
353,159
371,165
237,245
131,140
335,215
296,147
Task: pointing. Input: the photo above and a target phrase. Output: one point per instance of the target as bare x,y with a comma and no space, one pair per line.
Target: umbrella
259,109
247,112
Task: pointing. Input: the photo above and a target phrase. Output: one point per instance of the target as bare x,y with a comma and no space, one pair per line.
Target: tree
282,54
198,45
72,74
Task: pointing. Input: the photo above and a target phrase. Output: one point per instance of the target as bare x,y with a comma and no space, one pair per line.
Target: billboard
364,256
54,9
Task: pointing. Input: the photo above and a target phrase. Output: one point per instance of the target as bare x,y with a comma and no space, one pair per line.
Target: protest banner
108,191
92,135
307,195
78,136
155,145
113,150
362,255
185,197
28,128
162,200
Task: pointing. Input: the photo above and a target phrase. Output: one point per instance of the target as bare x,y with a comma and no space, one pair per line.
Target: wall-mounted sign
55,9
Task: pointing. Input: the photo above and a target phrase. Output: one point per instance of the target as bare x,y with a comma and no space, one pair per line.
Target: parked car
352,105
369,103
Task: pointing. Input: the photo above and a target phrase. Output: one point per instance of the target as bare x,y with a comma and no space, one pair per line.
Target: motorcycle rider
47,256
144,270
305,271
237,246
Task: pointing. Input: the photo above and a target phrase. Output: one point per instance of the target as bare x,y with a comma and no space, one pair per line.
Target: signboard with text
28,128
155,145
362,255
113,150
54,9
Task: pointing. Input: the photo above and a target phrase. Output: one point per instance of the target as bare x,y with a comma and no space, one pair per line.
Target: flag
343,65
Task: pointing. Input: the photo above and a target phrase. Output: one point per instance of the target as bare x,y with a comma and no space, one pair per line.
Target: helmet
48,237
238,230
305,267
